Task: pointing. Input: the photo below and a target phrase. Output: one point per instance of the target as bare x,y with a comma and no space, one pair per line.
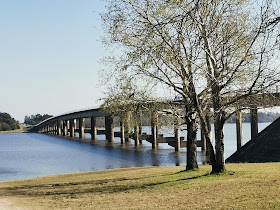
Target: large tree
214,53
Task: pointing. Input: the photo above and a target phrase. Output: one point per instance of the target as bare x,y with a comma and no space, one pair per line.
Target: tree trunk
220,147
191,141
206,127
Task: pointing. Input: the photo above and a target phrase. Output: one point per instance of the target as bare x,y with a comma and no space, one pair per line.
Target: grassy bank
20,130
243,186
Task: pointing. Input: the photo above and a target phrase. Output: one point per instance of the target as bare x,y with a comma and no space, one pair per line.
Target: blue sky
50,53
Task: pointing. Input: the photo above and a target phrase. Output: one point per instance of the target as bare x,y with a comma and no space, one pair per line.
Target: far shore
242,186
22,129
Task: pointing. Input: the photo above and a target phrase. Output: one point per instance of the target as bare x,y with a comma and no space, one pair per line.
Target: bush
6,127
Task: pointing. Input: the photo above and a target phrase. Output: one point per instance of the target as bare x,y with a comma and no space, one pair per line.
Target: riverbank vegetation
262,117
242,186
8,123
35,119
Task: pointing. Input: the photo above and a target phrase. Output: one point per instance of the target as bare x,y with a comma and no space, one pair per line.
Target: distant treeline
7,122
262,117
35,119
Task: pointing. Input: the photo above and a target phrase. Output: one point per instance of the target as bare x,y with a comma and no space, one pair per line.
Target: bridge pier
136,135
254,122
93,129
72,128
53,128
109,127
122,132
239,129
140,124
75,127
58,126
177,138
50,129
68,127
81,128
127,127
65,129
154,123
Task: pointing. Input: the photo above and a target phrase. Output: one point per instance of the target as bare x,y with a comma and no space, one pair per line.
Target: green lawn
243,186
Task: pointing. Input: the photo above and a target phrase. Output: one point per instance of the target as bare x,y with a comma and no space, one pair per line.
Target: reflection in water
31,155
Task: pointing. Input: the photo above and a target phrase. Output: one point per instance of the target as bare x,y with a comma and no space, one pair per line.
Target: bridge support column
51,129
122,132
127,127
72,128
177,138
68,127
254,122
136,135
75,127
58,125
109,126
239,129
82,128
154,122
65,129
140,124
93,129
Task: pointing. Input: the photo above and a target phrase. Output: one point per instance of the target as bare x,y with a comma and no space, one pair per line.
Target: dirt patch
7,204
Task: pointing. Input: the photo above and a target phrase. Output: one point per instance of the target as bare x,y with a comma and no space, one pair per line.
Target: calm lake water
27,155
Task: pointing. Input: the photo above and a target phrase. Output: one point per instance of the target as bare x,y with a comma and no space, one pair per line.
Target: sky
50,52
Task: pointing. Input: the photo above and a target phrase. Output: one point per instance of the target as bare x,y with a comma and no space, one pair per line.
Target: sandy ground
6,204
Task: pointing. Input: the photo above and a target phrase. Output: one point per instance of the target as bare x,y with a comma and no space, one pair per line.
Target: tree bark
206,127
191,141
220,148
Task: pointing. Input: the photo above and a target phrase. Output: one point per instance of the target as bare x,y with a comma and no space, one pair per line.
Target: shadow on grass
97,186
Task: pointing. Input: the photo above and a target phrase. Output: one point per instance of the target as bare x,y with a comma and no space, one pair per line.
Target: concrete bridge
71,123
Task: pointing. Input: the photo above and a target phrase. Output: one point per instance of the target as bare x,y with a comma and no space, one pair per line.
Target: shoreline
242,186
22,129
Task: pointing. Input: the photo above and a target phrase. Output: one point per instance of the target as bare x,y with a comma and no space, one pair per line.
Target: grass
20,130
243,186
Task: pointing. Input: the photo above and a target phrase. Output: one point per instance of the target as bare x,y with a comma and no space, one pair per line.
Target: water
27,155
